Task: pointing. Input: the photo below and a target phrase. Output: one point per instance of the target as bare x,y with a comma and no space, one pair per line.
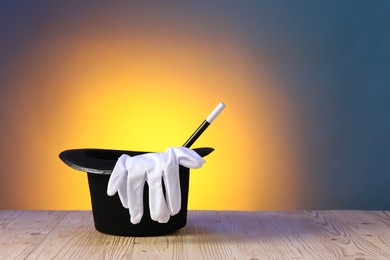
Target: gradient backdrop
307,88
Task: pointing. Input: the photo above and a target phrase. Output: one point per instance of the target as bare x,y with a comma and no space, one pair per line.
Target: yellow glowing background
146,89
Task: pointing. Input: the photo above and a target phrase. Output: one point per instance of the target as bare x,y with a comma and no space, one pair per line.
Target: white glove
130,173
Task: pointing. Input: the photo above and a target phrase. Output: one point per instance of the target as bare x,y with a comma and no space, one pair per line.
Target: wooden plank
203,237
22,231
333,229
76,238
208,234
256,235
369,231
290,236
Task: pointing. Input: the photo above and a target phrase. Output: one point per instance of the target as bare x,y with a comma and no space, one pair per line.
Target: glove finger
173,192
117,176
122,192
135,191
188,157
172,183
158,207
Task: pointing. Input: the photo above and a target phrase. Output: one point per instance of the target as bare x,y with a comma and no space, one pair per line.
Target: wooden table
208,234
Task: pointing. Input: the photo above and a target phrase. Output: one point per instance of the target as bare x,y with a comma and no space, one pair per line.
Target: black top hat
110,217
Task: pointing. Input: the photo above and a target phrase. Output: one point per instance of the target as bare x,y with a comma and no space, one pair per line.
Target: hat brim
102,161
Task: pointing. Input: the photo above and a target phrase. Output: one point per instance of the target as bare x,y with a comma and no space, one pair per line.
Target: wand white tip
215,112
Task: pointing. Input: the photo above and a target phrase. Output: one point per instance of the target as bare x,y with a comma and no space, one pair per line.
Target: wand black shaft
196,134
204,125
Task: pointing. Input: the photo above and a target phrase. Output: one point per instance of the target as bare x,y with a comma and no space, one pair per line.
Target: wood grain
208,235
